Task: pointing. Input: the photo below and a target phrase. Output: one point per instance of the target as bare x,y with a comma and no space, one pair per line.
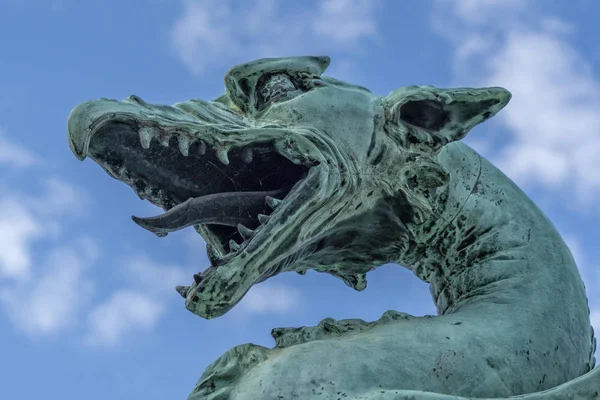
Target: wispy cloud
27,218
19,228
43,291
53,300
212,33
152,277
138,306
270,298
59,198
15,155
553,122
125,312
484,12
345,21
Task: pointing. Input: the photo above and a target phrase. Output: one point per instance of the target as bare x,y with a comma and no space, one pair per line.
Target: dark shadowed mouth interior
169,170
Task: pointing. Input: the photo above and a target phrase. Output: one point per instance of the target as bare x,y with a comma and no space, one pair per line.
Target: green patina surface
290,170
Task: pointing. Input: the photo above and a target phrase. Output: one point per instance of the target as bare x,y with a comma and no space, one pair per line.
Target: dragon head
289,170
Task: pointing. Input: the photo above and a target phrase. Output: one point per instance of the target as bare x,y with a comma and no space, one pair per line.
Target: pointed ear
436,117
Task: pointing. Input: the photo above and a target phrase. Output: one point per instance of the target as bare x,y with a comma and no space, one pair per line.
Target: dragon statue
291,170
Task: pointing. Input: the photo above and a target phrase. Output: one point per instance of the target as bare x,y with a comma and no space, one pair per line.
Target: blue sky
87,306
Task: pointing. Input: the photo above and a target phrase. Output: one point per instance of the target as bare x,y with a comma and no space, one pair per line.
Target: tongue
230,209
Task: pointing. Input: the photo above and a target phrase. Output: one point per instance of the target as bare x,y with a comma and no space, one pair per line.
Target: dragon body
291,170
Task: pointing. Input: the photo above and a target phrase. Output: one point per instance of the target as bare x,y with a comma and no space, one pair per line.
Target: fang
272,202
146,136
262,218
233,245
222,155
184,145
245,232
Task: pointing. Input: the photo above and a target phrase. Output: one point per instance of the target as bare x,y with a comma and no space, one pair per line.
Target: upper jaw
88,118
228,131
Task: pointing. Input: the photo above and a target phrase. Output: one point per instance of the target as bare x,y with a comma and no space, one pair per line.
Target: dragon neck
489,241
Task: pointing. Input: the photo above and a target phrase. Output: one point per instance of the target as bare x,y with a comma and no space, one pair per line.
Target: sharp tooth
233,245
164,140
201,147
245,232
197,279
146,136
213,256
184,145
272,201
262,218
222,155
247,155
182,290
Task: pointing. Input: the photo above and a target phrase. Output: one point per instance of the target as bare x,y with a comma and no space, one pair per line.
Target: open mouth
230,197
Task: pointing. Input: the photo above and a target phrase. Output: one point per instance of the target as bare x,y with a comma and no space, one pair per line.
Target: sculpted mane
290,170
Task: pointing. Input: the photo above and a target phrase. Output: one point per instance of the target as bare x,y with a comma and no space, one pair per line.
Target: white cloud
481,12
25,219
557,26
18,229
48,297
150,287
554,114
60,198
345,21
553,121
52,300
139,306
154,278
210,33
14,155
268,298
126,311
41,292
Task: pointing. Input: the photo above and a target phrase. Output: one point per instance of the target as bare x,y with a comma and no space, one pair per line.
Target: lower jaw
223,286
216,295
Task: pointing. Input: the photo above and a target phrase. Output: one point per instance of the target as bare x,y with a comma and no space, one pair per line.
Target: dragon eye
275,88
